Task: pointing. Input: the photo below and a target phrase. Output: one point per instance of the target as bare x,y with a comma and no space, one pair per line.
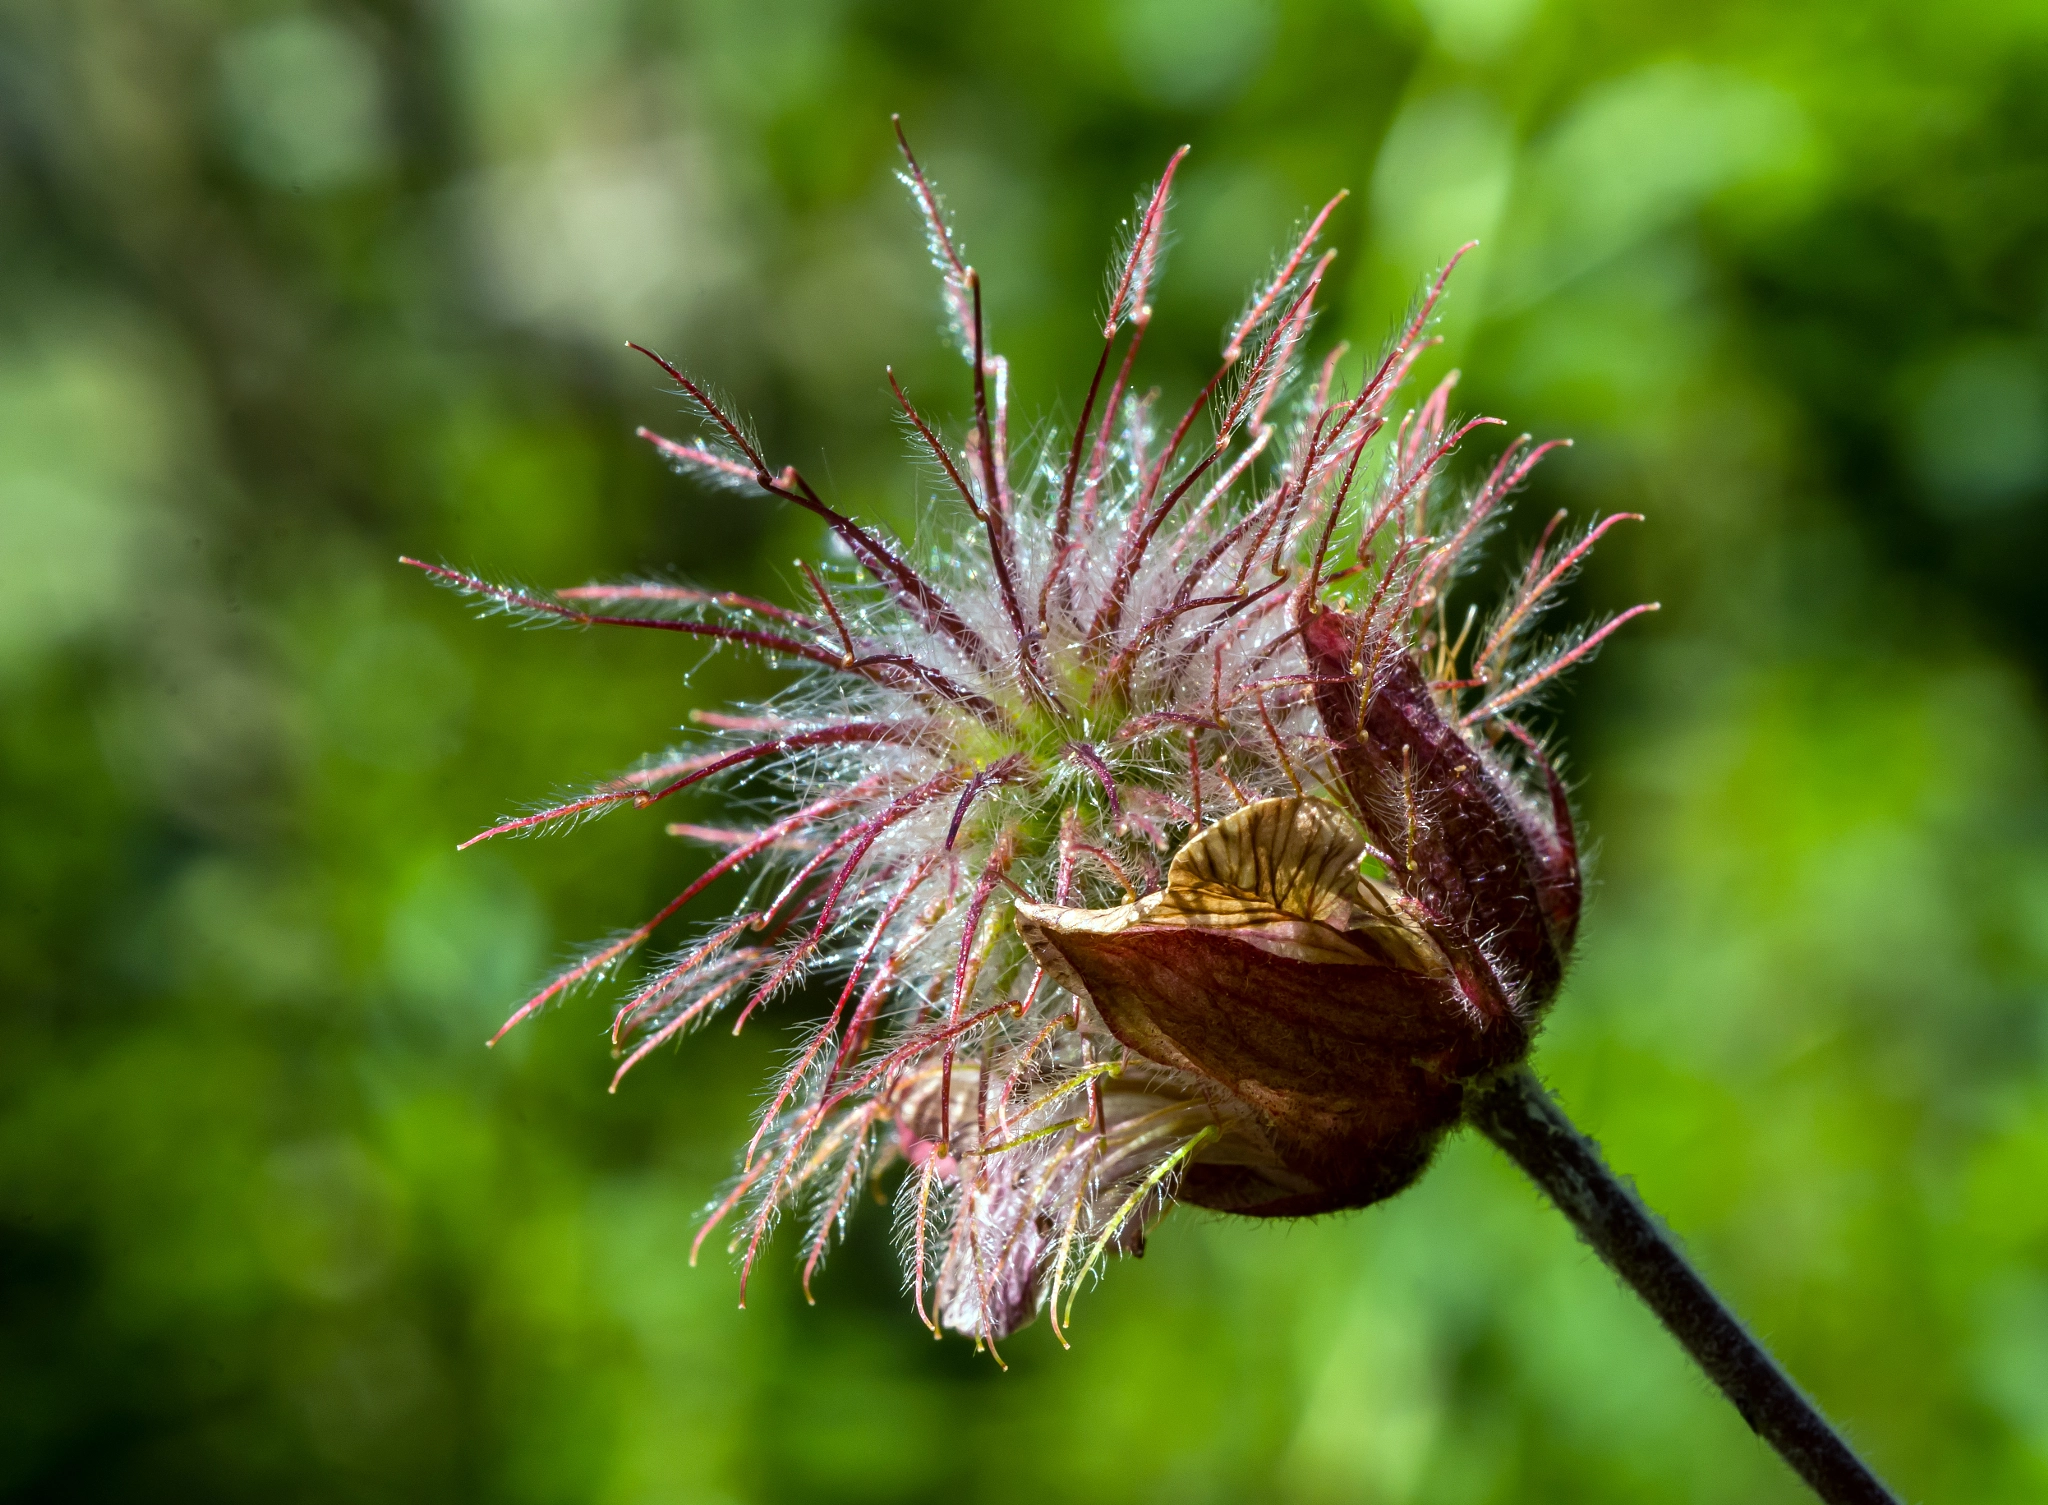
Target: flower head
1155,834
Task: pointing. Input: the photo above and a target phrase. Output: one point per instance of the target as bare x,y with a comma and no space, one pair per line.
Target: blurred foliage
294,288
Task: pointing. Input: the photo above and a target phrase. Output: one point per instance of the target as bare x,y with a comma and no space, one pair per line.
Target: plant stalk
1517,1114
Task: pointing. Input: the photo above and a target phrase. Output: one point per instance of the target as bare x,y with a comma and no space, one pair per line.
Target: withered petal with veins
1272,970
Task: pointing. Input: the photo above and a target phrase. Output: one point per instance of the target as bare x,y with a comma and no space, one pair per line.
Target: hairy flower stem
1526,1122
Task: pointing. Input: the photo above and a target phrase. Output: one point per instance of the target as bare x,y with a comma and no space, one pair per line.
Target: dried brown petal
1294,991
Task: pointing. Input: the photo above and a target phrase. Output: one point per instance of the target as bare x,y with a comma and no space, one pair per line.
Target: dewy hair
1165,825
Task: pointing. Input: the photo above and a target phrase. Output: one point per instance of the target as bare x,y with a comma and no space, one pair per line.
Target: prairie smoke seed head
1155,834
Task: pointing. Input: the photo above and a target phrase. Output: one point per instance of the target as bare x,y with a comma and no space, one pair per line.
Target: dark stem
1526,1122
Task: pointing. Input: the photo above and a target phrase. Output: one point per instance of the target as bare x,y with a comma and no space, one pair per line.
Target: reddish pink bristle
1528,598
824,1031
862,838
1522,689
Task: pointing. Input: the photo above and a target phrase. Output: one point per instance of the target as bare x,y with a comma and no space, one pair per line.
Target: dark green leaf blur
292,289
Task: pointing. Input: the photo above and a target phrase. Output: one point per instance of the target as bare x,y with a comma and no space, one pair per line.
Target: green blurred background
290,289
